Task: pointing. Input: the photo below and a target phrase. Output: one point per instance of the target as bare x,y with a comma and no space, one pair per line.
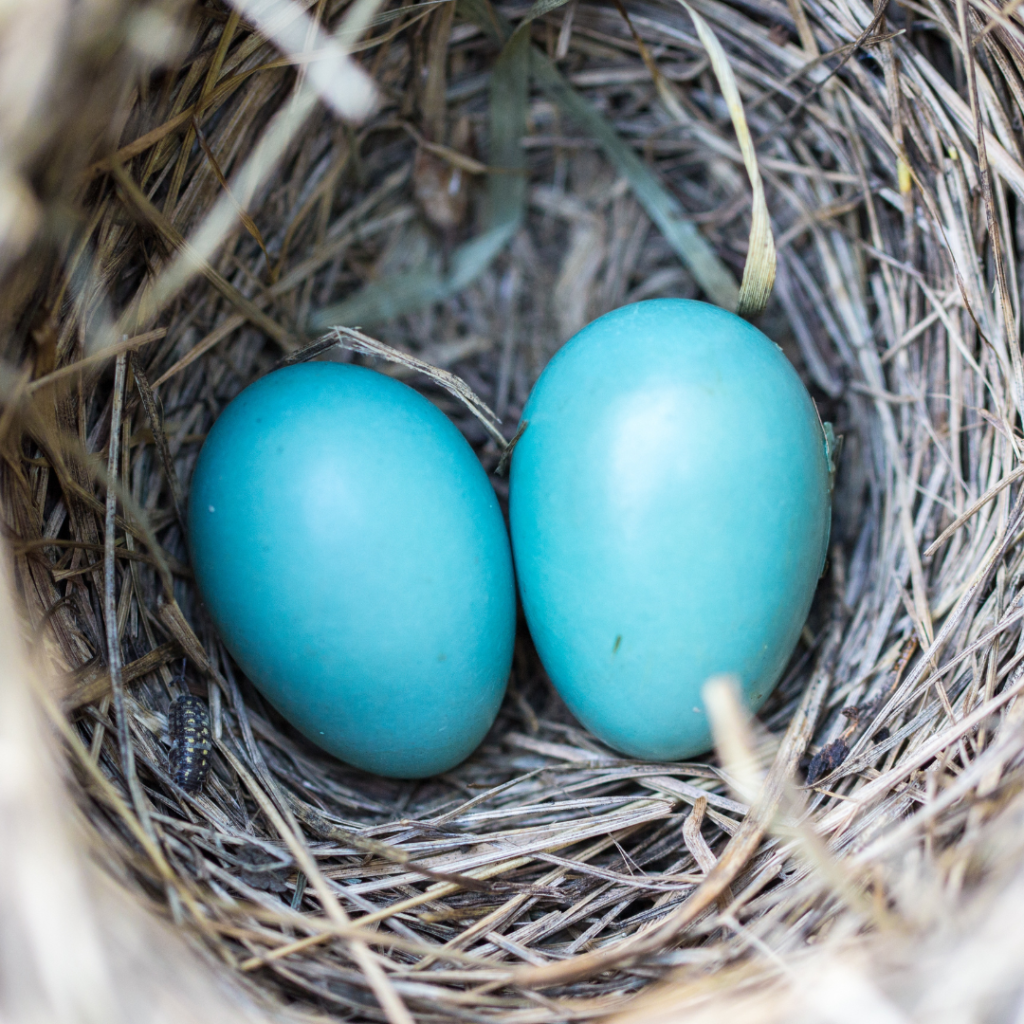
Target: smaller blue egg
670,511
351,552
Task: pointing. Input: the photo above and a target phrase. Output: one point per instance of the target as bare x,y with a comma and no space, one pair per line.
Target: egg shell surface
352,554
670,513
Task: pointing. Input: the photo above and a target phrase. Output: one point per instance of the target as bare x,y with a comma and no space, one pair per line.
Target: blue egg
352,554
670,511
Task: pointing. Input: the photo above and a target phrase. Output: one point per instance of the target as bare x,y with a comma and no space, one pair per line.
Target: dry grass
173,222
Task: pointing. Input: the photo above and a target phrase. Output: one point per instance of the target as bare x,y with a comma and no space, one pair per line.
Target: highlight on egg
670,511
350,550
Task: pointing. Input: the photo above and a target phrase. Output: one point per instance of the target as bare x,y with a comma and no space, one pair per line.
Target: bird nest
193,192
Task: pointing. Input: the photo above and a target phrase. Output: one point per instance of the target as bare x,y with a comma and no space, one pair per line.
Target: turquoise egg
670,511
350,550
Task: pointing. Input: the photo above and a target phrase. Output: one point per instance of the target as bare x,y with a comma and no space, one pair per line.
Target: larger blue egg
670,514
353,557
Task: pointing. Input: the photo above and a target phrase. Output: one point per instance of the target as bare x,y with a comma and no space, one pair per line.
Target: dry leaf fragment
441,189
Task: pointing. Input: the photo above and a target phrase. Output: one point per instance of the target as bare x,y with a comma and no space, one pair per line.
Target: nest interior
524,170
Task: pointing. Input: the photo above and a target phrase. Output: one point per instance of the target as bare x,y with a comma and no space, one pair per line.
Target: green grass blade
405,293
507,188
714,277
509,102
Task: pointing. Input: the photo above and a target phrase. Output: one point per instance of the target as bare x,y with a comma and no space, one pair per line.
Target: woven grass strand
759,268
